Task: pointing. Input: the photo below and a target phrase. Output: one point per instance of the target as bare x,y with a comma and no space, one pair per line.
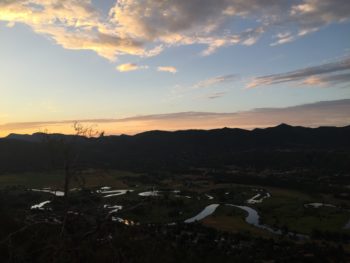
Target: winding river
252,217
207,211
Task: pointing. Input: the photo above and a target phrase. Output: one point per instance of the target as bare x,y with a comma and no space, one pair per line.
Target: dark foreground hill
280,147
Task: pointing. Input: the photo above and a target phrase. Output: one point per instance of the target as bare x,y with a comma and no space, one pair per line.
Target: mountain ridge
275,147
283,126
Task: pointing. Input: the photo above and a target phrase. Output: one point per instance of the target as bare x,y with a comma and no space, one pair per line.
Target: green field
286,209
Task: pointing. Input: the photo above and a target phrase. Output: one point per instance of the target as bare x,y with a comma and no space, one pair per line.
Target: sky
127,66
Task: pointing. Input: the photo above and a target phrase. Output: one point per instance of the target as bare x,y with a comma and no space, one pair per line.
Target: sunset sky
133,65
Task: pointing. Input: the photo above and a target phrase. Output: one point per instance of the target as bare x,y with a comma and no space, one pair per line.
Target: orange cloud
129,67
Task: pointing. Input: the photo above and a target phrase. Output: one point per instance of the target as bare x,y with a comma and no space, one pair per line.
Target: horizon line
316,114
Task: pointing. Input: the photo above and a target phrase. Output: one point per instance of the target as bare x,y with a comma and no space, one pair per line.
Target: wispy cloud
129,67
215,81
216,95
328,80
196,90
127,29
169,69
283,38
333,72
328,113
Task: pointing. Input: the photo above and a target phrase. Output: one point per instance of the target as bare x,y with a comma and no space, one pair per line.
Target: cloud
308,16
146,27
73,24
314,81
328,113
283,38
169,69
327,73
196,89
334,79
316,13
129,67
216,95
214,81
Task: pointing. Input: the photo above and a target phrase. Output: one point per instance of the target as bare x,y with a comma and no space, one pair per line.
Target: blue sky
79,60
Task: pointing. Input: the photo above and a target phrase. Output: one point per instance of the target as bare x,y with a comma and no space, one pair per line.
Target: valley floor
114,205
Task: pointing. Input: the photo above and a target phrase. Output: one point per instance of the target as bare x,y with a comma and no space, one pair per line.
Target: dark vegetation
280,148
77,228
90,236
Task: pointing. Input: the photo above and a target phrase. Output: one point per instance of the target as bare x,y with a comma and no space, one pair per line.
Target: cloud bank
145,28
328,113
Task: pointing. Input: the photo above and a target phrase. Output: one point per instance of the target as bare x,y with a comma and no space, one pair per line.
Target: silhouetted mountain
25,137
282,146
38,137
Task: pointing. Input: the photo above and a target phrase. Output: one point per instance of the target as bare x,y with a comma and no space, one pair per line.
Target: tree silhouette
64,153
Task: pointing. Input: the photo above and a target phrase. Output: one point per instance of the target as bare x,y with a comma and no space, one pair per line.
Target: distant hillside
282,146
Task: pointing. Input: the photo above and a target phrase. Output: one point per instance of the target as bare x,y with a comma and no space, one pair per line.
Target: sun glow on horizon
329,113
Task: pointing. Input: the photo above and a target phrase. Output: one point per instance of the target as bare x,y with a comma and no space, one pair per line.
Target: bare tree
63,149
